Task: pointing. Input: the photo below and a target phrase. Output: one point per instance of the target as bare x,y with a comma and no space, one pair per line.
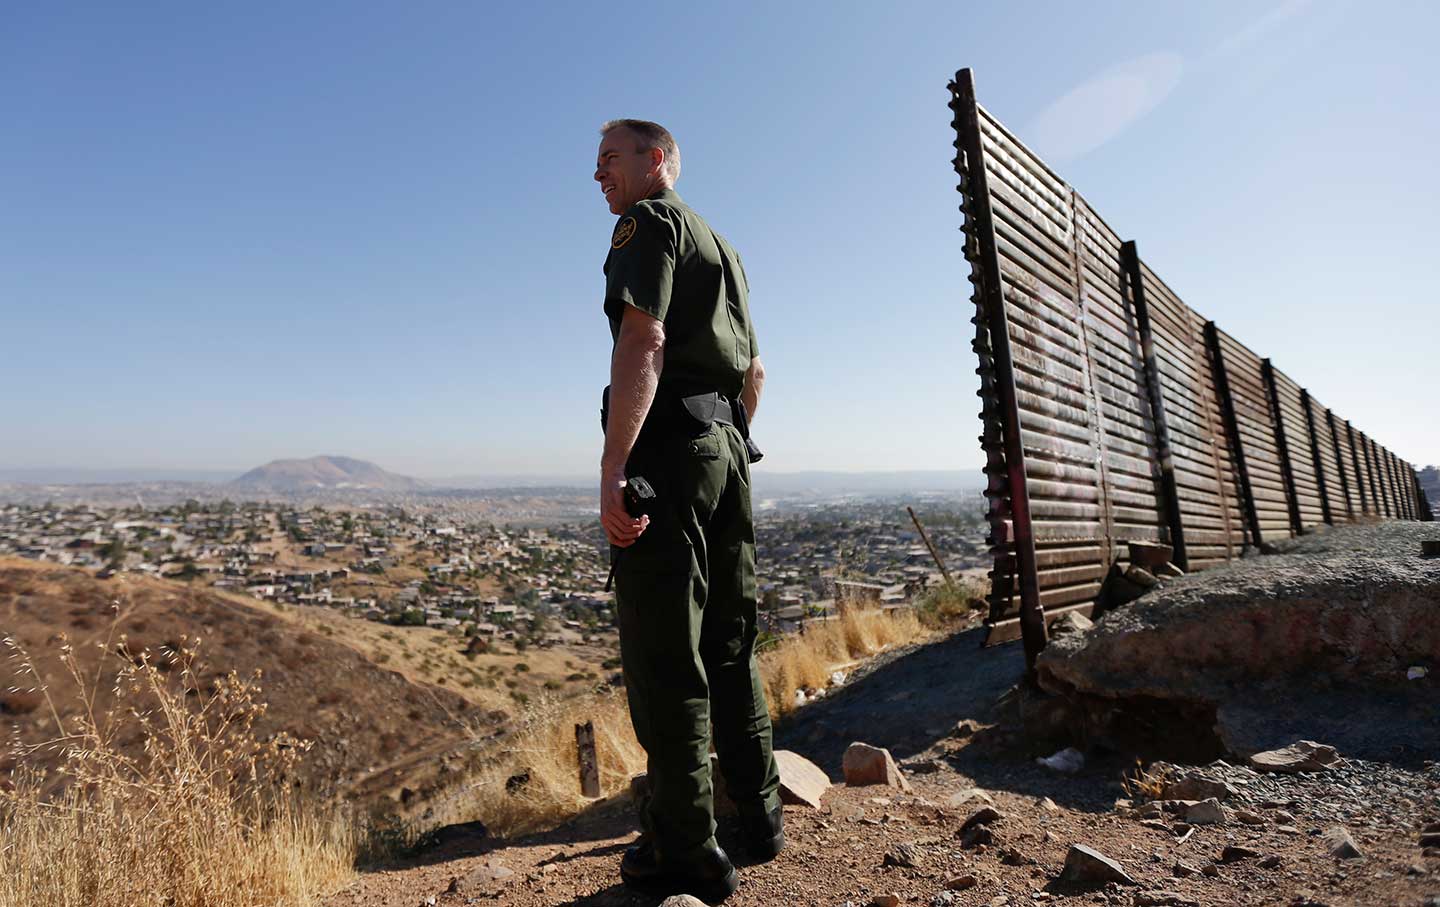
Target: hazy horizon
123,475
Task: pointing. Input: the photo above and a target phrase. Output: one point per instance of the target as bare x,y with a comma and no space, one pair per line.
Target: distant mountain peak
324,473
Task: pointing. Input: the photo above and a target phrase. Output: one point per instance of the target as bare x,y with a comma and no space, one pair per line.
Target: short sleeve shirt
666,261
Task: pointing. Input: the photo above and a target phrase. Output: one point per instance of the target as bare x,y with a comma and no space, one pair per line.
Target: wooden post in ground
926,539
589,763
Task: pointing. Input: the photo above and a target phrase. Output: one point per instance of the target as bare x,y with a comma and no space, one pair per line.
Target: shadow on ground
910,700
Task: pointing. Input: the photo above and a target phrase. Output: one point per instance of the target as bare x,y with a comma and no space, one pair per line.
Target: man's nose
599,174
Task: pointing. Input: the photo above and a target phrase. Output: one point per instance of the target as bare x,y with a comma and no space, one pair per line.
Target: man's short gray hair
651,135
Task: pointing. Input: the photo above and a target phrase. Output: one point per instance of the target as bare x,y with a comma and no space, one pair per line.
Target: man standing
685,376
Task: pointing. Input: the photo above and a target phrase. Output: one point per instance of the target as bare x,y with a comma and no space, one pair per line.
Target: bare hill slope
376,731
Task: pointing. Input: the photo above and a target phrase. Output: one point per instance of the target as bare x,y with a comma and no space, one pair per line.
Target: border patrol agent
685,376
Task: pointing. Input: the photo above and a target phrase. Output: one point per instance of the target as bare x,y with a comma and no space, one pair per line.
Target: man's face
625,175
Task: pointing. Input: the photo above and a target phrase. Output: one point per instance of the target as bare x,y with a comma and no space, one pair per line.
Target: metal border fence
1115,413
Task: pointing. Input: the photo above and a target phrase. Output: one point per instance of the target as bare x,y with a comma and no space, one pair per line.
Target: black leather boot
706,873
764,836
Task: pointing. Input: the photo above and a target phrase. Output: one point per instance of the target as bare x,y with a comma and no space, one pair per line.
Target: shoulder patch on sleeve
623,232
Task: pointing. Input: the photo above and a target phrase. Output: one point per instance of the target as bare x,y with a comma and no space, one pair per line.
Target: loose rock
485,880
885,900
985,815
1198,787
1271,862
960,883
1162,899
1206,812
960,798
802,782
1342,845
1084,864
975,836
1184,871
682,900
865,764
902,855
1301,756
1234,853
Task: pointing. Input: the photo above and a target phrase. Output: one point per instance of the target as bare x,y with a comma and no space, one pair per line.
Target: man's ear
657,158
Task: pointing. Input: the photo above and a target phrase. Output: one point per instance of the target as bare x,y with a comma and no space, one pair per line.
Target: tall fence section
1113,412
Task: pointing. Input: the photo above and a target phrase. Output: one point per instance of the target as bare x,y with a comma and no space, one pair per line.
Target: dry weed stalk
1146,783
204,815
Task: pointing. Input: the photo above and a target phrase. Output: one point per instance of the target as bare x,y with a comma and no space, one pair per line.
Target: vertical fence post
1400,470
1402,506
1388,471
1340,464
1355,465
1426,514
1282,445
1169,490
1407,475
1377,492
992,297
1309,406
1232,430
1384,493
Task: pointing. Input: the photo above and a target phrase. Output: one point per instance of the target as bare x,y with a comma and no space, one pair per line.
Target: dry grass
533,782
805,661
202,815
946,605
166,794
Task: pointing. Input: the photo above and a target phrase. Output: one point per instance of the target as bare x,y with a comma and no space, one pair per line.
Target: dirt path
910,701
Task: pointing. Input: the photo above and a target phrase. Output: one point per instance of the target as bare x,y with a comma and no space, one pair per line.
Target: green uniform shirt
666,261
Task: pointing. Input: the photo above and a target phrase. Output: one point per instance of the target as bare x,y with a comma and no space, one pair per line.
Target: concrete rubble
1314,642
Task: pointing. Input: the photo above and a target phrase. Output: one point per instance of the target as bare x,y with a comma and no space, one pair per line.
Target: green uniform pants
685,594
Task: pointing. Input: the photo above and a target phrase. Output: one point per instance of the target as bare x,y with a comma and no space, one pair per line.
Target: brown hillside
375,731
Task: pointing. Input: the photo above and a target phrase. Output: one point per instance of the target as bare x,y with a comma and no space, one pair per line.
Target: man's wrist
611,468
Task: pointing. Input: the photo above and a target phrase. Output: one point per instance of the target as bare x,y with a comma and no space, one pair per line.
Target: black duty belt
695,411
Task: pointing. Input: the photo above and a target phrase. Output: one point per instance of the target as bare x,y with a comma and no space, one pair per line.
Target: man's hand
635,366
621,528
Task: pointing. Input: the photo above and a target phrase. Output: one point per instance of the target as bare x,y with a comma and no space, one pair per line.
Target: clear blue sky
234,234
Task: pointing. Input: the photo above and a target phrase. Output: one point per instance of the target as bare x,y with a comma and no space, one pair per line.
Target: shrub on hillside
946,605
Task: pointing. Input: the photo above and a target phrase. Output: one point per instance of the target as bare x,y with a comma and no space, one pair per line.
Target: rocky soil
949,714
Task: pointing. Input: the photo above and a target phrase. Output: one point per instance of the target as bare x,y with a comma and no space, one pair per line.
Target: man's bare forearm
635,368
754,384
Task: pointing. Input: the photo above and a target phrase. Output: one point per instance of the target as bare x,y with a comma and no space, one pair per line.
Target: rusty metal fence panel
1204,475
1310,497
1256,442
1034,235
1113,412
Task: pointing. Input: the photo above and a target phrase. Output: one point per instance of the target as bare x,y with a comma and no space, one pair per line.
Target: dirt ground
945,711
